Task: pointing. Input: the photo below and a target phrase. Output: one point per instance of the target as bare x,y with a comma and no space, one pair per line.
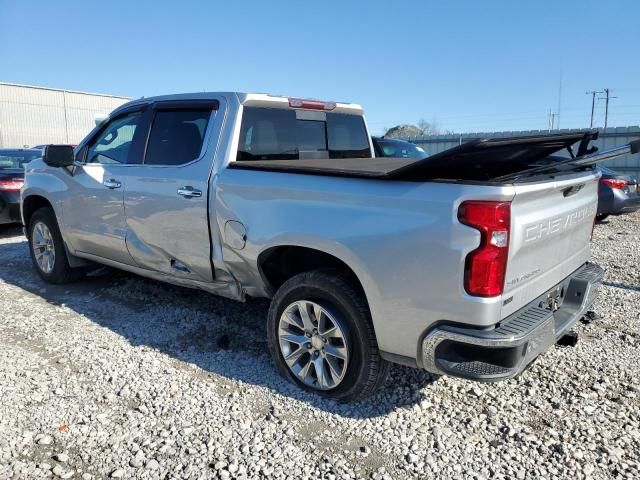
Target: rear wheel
601,216
47,250
321,337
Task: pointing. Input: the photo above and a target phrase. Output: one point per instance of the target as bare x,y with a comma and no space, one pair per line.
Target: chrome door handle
189,192
111,183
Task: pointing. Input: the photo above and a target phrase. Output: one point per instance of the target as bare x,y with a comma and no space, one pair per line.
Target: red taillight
11,185
616,183
485,267
311,104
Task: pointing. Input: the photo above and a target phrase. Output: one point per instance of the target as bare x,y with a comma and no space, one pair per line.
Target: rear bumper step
506,350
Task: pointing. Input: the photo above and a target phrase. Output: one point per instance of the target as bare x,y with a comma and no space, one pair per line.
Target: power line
567,112
573,117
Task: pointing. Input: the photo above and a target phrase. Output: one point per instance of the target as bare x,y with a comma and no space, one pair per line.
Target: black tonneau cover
381,167
482,159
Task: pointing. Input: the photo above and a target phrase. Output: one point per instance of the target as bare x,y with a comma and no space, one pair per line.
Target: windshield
17,158
399,149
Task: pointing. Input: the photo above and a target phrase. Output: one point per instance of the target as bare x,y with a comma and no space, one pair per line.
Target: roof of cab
253,99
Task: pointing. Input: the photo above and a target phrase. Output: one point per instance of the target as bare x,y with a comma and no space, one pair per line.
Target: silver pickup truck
471,262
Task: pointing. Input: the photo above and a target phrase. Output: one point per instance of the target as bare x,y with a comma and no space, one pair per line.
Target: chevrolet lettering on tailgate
558,224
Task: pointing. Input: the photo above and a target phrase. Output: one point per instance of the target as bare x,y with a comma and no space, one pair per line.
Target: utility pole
559,101
552,117
593,104
606,108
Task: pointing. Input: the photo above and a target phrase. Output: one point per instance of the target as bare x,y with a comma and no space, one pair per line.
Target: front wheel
47,249
601,216
321,337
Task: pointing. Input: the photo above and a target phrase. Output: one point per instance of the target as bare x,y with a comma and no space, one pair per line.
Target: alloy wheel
43,248
314,344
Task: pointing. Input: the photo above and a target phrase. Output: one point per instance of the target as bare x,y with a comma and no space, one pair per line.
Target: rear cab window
288,134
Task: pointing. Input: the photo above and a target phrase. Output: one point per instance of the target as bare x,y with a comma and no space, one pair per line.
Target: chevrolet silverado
471,262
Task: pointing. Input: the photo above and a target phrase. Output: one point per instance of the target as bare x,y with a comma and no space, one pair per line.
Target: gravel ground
122,377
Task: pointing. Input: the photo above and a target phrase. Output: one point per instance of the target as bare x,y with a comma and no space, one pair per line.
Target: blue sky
468,65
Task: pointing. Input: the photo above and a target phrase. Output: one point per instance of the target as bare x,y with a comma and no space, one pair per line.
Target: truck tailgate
551,225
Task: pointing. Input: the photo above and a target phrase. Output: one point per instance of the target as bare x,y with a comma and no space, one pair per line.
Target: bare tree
422,128
428,128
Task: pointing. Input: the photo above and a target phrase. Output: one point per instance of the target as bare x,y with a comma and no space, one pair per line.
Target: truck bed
478,160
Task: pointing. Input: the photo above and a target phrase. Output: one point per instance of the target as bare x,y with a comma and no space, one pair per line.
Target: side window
176,136
113,143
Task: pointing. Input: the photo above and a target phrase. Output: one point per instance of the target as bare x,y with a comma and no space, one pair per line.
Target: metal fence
607,138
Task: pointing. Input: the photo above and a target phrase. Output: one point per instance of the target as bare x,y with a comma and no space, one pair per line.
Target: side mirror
58,155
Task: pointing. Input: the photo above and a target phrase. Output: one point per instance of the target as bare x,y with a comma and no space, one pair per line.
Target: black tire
61,271
601,216
366,369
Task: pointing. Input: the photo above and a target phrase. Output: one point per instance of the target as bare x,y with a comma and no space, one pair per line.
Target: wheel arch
32,203
278,263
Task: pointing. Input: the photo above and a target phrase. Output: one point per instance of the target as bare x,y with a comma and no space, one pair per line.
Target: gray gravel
121,377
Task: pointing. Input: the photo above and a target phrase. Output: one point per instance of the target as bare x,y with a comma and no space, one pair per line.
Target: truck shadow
623,286
10,230
221,336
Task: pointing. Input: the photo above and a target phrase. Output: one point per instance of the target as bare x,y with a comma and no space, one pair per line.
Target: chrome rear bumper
507,349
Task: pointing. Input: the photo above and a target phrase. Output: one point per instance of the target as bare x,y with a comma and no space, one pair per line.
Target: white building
37,115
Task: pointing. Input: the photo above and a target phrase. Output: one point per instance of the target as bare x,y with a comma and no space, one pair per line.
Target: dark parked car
617,194
11,181
392,147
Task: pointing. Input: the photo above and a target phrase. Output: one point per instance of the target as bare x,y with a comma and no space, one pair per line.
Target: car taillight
11,185
311,104
616,183
485,267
